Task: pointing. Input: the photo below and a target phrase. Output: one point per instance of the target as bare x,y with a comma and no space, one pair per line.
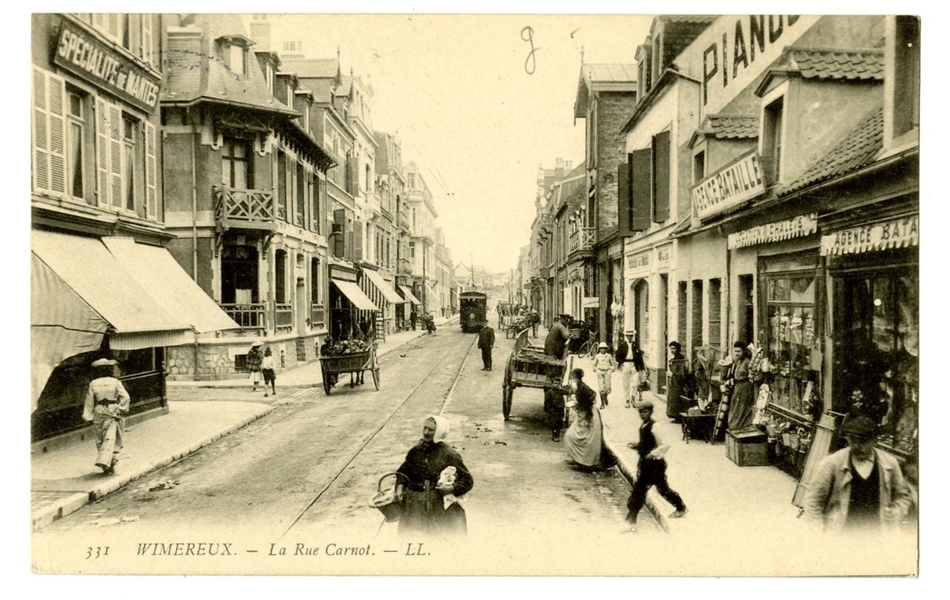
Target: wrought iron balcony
246,209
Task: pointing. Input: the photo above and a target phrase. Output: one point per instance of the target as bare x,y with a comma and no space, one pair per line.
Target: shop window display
792,344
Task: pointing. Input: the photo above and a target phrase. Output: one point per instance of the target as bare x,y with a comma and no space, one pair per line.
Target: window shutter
339,227
102,152
358,241
661,180
623,198
40,132
640,186
151,171
115,155
49,133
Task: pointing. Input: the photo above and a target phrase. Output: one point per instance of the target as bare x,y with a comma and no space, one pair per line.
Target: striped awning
408,295
383,286
886,235
354,294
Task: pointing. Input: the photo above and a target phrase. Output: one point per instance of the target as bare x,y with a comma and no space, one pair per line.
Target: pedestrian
269,371
555,344
604,364
677,373
412,319
535,321
432,484
253,362
742,396
630,362
651,470
486,340
858,488
584,438
106,403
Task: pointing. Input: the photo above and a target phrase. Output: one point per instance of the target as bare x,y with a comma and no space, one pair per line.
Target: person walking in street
630,362
604,365
742,397
535,321
677,376
858,489
253,362
584,438
107,402
269,371
432,484
412,319
486,340
651,470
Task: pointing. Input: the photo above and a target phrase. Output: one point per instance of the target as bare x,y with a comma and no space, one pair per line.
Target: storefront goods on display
800,226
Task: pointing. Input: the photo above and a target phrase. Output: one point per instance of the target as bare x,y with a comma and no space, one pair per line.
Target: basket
384,500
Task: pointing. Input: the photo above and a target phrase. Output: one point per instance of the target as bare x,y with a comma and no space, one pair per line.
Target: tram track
366,441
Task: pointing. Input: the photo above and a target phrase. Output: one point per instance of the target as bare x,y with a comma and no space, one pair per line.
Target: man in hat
555,344
106,402
253,362
630,362
651,470
486,339
858,487
604,365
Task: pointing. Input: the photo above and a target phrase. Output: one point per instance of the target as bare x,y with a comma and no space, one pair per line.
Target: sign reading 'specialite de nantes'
81,53
739,181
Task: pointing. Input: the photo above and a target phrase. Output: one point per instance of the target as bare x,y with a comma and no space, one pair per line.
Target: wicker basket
384,500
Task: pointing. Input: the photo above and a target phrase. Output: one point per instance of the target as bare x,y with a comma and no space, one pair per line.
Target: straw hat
256,344
603,346
104,362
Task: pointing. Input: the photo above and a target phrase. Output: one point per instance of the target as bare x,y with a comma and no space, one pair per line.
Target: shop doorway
641,313
664,333
746,312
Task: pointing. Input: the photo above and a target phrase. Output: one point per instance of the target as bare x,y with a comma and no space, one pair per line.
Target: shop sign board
893,233
81,53
663,255
636,261
800,226
732,185
590,302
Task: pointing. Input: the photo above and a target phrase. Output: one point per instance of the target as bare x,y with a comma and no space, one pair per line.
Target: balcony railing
248,316
255,209
582,239
283,316
318,316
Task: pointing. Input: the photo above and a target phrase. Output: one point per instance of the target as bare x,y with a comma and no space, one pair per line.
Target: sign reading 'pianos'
739,181
81,53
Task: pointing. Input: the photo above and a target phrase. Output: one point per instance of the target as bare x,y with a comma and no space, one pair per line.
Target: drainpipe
194,226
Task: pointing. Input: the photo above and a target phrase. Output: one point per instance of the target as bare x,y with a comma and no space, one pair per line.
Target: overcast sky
457,90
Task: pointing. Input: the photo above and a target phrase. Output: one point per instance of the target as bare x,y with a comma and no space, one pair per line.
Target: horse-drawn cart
354,364
529,366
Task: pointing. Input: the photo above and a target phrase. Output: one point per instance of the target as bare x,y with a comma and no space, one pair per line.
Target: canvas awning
408,294
178,293
383,286
354,294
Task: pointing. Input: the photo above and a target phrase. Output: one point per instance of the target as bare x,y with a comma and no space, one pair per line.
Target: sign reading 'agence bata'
741,180
800,226
896,233
84,55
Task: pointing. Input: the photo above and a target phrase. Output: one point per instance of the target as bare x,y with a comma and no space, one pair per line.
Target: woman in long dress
584,440
432,502
742,403
676,388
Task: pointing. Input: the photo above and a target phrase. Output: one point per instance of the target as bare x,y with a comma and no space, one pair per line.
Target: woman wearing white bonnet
423,488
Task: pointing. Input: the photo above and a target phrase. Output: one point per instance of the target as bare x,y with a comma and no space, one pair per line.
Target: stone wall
215,361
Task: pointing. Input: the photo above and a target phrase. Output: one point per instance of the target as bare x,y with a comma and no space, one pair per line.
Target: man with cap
858,487
555,344
604,365
106,402
630,362
486,340
253,362
651,470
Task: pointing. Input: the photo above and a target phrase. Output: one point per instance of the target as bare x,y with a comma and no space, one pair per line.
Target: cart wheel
506,393
376,378
326,384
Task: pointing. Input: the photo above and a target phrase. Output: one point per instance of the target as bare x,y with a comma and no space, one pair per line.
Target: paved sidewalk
308,374
64,480
722,497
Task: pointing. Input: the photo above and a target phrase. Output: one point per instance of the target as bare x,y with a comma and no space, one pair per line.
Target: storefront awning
87,268
408,294
178,293
384,288
354,294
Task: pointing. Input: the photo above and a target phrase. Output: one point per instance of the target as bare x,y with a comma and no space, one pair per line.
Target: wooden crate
747,447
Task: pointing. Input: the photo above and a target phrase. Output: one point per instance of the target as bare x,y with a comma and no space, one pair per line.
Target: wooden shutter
339,227
102,152
151,170
358,241
623,198
115,155
661,176
640,186
49,132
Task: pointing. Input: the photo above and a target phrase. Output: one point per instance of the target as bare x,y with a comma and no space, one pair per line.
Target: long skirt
675,404
584,439
425,514
742,406
108,439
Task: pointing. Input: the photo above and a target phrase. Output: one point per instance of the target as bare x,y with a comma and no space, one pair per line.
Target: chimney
185,57
260,33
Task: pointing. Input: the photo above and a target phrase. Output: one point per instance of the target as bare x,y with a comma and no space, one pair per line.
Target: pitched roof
611,72
856,150
726,127
314,68
707,19
837,64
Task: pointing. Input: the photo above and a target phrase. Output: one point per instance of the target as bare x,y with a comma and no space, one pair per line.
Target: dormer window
236,59
269,76
772,139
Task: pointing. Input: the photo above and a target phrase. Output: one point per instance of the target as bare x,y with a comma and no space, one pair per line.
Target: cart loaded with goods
349,356
529,366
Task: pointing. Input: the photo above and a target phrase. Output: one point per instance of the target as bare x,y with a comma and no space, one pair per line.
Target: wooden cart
545,373
514,324
354,364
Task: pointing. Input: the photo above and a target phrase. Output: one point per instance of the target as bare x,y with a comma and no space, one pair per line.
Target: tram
472,309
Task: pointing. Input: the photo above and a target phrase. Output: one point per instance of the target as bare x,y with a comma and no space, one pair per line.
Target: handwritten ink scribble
527,34
575,31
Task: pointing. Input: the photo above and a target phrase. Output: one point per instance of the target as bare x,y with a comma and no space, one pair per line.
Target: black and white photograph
423,294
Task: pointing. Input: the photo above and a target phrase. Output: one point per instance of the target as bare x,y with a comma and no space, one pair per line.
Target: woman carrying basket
432,485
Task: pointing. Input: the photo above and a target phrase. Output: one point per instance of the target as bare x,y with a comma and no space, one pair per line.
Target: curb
76,501
631,476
